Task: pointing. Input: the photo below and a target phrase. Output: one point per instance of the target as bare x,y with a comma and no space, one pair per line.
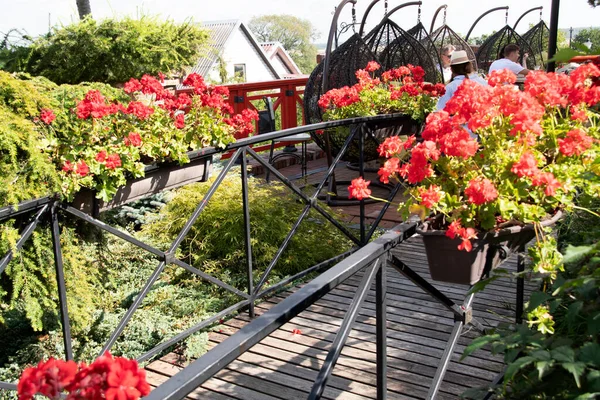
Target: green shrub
564,364
105,277
109,51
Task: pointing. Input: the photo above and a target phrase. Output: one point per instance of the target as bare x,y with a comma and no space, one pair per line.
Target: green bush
564,364
109,51
103,278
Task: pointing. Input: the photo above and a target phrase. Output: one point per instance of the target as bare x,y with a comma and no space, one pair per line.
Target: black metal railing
51,210
372,259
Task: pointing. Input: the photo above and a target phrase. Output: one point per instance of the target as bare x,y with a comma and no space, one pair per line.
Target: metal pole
344,332
361,168
481,16
246,206
60,280
440,8
381,331
553,34
520,286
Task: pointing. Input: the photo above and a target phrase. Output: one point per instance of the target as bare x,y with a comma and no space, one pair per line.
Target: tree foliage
591,35
295,34
110,51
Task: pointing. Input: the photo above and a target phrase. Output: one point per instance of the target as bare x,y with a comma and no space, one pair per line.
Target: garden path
285,364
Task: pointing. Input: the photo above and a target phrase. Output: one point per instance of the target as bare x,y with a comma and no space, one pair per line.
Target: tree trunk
84,8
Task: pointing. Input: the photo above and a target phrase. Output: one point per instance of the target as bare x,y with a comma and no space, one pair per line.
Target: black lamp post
553,34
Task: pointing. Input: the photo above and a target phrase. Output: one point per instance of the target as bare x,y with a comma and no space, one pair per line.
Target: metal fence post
246,207
381,332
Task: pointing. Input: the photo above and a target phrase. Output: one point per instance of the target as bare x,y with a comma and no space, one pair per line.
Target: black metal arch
481,16
538,37
527,12
395,47
440,8
491,49
444,35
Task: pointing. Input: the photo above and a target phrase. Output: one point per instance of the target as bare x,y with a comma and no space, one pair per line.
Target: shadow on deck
285,364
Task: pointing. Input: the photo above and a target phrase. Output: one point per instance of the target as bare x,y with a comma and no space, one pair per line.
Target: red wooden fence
285,93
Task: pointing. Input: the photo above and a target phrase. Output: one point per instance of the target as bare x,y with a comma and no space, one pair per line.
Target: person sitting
445,54
511,54
462,69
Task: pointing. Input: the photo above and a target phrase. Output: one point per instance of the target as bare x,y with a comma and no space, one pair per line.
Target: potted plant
124,150
399,90
497,157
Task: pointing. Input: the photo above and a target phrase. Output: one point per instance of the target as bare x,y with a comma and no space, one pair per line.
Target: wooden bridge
285,364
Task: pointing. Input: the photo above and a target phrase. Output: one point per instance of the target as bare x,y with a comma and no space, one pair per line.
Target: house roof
276,49
220,34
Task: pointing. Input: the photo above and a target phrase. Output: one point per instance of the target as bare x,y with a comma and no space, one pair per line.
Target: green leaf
516,366
588,396
543,367
477,344
563,354
574,254
577,369
537,299
573,312
590,354
564,55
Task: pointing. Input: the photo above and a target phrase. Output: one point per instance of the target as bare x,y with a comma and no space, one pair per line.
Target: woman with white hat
461,69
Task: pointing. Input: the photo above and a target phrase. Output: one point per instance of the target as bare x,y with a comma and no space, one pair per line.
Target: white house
281,60
236,49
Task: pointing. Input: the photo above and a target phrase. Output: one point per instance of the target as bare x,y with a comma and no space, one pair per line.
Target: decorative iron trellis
51,210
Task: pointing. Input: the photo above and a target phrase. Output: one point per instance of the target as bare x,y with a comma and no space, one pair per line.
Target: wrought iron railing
52,210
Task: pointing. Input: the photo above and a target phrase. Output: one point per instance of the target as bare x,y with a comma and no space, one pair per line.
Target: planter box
156,179
448,264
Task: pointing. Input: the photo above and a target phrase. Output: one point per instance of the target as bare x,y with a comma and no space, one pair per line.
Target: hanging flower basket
449,264
157,178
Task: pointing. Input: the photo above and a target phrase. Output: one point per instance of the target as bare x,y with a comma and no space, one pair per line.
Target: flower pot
156,179
448,264
403,125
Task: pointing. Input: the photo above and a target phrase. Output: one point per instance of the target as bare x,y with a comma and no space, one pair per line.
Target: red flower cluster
575,143
481,191
80,168
341,97
359,189
110,161
243,123
111,378
133,139
47,116
410,79
430,196
465,234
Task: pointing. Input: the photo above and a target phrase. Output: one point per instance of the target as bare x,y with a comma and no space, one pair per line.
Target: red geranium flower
179,121
82,168
575,143
133,139
359,189
47,116
481,191
113,161
101,156
430,196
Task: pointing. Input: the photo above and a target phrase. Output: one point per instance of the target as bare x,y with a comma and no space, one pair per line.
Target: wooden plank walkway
284,365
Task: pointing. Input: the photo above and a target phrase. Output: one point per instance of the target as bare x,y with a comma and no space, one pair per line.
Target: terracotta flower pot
448,264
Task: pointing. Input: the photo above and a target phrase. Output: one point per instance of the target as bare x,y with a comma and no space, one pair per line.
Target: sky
35,16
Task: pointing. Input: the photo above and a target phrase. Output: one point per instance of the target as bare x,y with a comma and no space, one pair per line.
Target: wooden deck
285,364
